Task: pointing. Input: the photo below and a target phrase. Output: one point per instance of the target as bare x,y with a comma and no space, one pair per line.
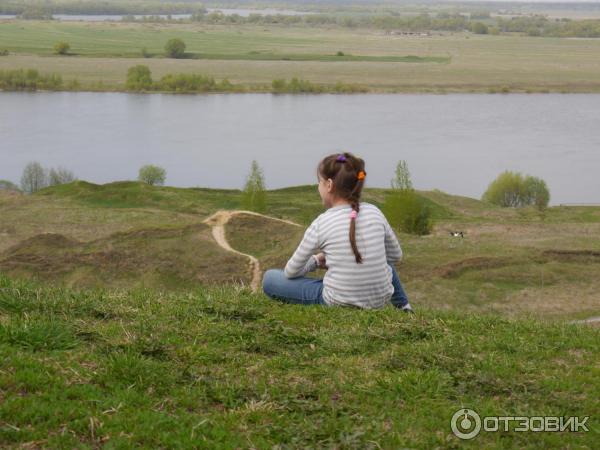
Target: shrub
61,48
506,190
28,80
479,28
295,86
536,192
152,175
511,189
4,52
183,82
404,209
408,212
139,78
175,48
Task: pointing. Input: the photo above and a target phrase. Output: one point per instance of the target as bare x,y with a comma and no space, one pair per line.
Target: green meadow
123,324
512,262
254,55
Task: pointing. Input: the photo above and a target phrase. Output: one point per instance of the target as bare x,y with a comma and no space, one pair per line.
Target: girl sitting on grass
358,248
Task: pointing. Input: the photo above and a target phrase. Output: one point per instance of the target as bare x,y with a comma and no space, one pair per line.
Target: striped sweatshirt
366,285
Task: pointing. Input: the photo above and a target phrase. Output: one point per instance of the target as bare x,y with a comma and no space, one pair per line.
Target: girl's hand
321,260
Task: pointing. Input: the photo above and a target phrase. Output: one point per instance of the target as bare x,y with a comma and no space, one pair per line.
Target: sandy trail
218,221
589,320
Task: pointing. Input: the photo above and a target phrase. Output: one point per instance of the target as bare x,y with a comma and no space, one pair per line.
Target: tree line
476,22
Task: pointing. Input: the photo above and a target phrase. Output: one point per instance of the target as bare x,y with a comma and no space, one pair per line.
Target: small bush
536,192
408,212
479,28
61,48
4,52
152,175
511,189
183,82
139,78
28,80
175,48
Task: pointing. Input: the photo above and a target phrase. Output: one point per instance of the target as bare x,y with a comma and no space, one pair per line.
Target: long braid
348,173
354,202
357,255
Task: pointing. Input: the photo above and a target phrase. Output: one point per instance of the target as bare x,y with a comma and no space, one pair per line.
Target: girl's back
366,285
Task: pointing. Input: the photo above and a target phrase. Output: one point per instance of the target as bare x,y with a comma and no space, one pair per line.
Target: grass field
122,324
255,55
512,262
223,368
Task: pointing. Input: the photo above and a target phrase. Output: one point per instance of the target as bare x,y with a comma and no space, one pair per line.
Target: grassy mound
174,257
223,368
135,194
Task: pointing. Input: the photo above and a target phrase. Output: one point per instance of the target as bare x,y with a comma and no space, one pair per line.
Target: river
457,143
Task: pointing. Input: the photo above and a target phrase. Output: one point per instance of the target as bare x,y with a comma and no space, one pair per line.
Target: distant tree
536,192
479,28
512,189
60,176
175,48
402,179
254,196
506,190
152,175
139,78
9,186
61,48
34,178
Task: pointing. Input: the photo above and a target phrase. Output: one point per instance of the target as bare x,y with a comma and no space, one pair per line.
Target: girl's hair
343,169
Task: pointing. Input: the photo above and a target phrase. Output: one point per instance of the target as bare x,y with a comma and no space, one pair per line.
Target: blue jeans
309,291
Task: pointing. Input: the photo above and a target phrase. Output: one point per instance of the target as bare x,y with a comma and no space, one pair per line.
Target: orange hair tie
361,175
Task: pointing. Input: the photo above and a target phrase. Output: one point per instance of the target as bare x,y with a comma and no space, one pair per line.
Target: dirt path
218,221
589,320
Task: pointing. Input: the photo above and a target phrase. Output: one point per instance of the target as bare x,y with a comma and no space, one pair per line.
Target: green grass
512,262
108,40
223,368
253,56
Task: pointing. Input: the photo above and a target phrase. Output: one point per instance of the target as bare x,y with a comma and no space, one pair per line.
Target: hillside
224,368
513,262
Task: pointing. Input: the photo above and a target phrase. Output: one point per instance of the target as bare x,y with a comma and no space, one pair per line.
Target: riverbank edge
329,90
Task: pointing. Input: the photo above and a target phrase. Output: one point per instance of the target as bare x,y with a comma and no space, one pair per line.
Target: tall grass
225,368
28,80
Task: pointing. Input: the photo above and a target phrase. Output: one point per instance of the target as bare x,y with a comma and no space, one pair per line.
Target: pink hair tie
353,214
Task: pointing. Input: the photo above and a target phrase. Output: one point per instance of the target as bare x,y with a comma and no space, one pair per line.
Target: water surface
457,143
